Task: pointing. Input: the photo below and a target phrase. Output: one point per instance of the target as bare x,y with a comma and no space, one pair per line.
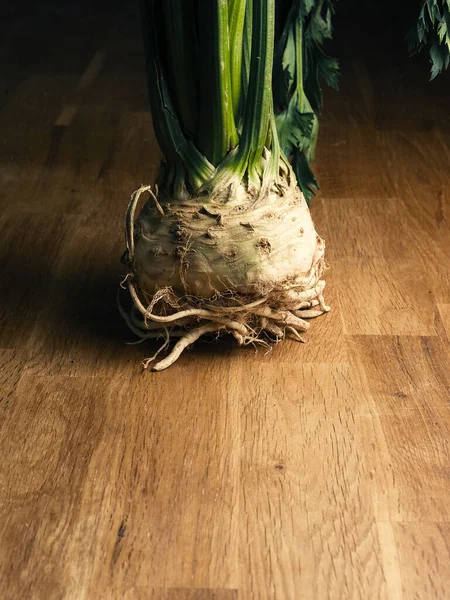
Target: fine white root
307,304
189,338
272,328
240,328
192,312
147,361
245,322
322,304
283,317
263,322
139,330
129,219
239,308
308,314
293,334
128,320
296,297
141,323
155,335
239,338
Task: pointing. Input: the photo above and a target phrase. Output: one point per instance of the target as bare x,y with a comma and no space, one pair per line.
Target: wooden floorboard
317,470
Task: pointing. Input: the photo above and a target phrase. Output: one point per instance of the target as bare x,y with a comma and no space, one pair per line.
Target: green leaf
320,29
433,29
304,7
328,69
437,60
305,177
442,31
294,128
284,68
421,31
288,61
300,66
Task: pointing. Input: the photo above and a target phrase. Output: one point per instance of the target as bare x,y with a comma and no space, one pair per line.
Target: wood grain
317,470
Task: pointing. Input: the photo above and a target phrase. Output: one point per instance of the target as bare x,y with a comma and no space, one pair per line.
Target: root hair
248,322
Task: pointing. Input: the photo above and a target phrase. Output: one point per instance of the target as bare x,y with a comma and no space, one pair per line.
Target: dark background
63,36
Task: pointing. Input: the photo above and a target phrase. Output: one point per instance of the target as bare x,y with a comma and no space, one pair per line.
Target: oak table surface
319,470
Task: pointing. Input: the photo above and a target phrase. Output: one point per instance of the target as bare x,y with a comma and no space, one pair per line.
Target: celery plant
226,244
433,29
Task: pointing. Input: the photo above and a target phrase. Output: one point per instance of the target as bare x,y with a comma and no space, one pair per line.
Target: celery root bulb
238,263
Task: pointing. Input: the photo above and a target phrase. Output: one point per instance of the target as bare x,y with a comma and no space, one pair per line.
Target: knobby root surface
258,322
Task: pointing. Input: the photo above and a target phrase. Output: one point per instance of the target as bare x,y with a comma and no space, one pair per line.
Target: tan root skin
247,266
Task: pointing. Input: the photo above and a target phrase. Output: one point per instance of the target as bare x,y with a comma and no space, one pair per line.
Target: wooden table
312,471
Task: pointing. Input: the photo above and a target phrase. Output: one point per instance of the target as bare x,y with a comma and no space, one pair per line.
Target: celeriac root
230,265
